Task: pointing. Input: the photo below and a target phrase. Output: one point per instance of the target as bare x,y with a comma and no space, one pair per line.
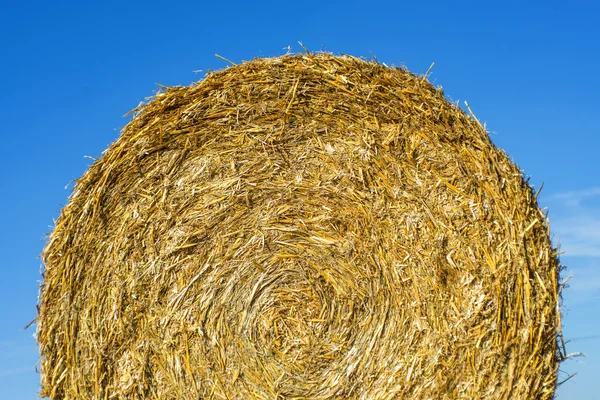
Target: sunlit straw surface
302,227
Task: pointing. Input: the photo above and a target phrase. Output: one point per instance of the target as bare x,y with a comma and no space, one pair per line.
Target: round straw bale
302,227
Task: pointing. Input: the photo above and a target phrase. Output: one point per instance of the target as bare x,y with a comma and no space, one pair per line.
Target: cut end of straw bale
302,227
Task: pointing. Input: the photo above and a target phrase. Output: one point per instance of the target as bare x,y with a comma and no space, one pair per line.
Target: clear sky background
71,69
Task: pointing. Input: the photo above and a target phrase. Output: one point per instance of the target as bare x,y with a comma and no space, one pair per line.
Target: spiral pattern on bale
303,227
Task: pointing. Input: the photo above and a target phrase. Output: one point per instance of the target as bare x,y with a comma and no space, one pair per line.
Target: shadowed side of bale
312,226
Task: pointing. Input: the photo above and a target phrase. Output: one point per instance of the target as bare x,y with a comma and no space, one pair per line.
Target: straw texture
303,227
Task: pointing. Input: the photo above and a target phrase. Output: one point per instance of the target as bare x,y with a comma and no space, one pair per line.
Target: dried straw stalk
302,227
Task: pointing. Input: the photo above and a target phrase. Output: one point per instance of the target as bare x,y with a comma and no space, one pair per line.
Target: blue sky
70,70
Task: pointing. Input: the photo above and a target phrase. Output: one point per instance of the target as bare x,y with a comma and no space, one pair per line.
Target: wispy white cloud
573,199
14,351
578,236
575,227
584,281
575,221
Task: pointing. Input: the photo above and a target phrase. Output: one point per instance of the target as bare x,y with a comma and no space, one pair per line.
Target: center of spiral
295,325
